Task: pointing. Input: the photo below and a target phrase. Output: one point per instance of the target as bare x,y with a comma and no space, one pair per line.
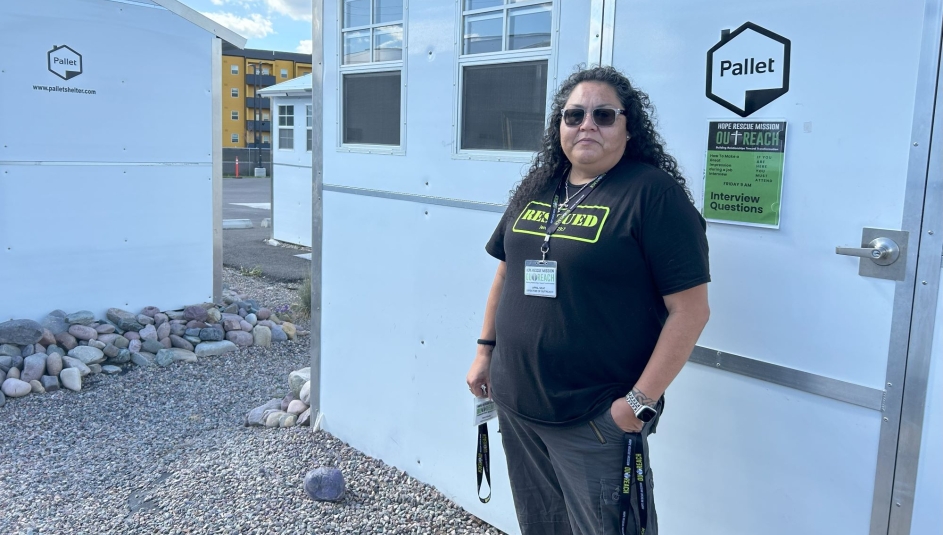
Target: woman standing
597,303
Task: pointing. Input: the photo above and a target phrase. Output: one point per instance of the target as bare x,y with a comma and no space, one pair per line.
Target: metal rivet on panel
890,384
885,419
930,232
718,365
924,283
915,143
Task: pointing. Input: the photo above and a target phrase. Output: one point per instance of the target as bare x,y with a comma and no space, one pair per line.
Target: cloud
304,46
254,26
218,2
296,9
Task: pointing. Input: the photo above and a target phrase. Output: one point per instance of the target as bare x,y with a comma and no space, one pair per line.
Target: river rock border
39,357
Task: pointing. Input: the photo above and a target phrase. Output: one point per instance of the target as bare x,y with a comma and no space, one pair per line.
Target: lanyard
634,485
554,222
484,461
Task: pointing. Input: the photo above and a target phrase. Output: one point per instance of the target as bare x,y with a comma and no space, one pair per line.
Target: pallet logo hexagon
748,68
64,62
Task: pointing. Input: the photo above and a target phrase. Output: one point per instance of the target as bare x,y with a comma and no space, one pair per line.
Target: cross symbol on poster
736,137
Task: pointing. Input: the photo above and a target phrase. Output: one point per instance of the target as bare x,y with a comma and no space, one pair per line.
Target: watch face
646,414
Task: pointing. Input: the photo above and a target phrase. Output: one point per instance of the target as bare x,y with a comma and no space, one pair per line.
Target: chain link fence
247,161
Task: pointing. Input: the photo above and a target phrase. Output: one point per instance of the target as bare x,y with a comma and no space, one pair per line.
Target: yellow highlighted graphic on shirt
583,223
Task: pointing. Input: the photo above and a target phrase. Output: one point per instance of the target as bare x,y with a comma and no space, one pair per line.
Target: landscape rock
287,420
36,387
286,401
178,329
305,393
252,319
278,335
83,332
213,349
76,364
88,355
213,315
123,319
53,364
95,368
180,355
14,373
325,484
110,370
297,379
255,416
121,342
262,336
55,322
134,346
82,317
49,337
145,320
174,314
240,338
166,343
55,349
193,339
245,325
232,324
176,341
71,379
212,334
296,407
152,346
304,418
164,358
151,312
20,332
50,383
105,328
163,331
263,313
194,312
289,329
140,359
3,399
9,350
27,350
132,335
66,340
15,388
111,351
109,338
123,357
97,344
34,367
149,332
160,319
272,418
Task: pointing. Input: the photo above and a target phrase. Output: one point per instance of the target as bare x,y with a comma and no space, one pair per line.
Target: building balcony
260,80
265,145
261,103
261,126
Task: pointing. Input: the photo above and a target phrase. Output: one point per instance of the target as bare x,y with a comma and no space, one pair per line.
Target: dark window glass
372,108
286,138
504,106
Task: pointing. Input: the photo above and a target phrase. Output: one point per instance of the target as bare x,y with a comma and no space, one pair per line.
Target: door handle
881,251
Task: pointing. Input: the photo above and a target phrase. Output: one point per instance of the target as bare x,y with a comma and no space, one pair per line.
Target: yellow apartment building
247,120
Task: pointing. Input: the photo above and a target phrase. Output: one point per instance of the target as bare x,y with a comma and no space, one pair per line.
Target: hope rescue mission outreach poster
743,179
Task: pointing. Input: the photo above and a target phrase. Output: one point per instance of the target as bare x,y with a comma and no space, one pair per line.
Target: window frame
366,68
234,92
549,54
279,127
309,124
234,69
234,138
234,115
283,73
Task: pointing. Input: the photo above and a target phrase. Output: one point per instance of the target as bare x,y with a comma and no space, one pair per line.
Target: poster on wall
743,176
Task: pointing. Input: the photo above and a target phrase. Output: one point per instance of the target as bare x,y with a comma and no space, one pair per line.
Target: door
806,442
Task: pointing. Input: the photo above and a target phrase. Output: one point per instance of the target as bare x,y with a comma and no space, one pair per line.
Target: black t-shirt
633,240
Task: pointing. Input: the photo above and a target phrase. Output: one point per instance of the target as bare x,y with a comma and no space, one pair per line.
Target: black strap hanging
634,500
484,461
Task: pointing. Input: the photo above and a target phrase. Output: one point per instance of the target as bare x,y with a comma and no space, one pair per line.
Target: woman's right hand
479,375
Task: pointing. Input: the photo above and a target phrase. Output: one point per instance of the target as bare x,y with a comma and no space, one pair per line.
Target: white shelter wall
121,236
928,495
124,175
291,211
403,294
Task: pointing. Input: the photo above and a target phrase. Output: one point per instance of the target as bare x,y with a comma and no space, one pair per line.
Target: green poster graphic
743,179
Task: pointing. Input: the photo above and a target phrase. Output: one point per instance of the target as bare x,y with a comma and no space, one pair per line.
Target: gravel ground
164,451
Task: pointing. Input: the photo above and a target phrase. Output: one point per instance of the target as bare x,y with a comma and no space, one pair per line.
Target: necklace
566,187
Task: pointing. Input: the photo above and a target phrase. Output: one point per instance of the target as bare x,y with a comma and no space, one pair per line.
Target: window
234,138
234,91
286,127
506,47
235,116
284,73
372,35
234,69
264,71
308,122
265,138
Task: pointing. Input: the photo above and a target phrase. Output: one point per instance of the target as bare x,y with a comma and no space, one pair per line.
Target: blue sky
283,25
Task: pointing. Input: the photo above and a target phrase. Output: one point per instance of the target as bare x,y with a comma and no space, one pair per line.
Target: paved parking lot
249,198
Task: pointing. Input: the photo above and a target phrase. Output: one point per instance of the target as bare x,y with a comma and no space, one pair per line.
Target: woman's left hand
624,418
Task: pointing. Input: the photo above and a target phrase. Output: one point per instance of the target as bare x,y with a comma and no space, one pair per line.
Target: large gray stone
123,357
145,320
252,319
232,324
110,370
304,418
3,399
151,346
109,338
240,338
27,350
178,329
83,332
212,334
212,349
36,387
55,322
111,351
14,373
20,332
134,346
6,362
123,319
261,336
121,342
305,393
71,379
34,367
49,337
278,335
55,349
88,355
175,355
105,328
213,315
151,311
66,340
50,382
194,312
97,344
325,484
82,317
9,350
74,363
149,332
296,407
176,341
140,359
163,331
255,417
297,379
15,388
53,364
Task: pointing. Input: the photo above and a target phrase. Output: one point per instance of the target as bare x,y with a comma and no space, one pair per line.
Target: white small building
110,155
291,160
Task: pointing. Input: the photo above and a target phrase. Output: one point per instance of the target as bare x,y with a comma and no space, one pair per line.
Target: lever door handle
882,251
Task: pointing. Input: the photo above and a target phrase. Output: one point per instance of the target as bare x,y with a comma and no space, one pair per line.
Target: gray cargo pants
567,480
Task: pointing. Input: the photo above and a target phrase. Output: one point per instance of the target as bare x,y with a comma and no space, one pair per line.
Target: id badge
484,410
540,278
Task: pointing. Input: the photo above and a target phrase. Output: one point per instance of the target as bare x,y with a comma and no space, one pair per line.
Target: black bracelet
486,342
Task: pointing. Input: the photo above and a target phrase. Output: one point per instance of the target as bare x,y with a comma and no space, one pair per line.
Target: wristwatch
642,412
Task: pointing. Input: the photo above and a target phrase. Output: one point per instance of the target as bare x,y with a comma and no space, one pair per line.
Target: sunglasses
601,116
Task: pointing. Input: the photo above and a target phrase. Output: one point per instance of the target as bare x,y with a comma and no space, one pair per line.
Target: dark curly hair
644,146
